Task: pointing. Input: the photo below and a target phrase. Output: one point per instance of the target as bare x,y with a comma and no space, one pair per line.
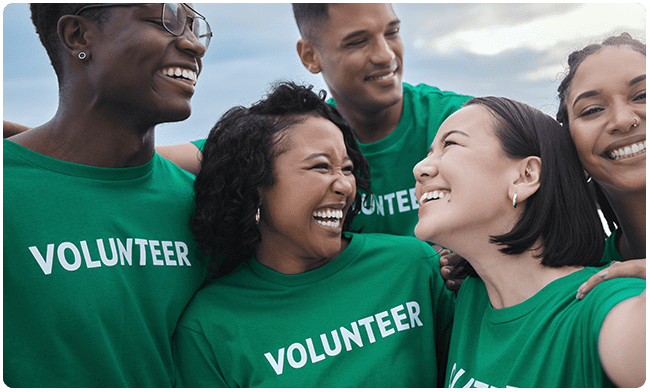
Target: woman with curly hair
297,299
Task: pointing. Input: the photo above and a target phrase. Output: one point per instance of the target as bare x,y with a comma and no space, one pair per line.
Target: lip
184,73
385,74
612,149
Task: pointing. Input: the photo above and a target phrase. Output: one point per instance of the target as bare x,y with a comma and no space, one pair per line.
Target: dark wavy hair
45,17
238,160
575,59
561,215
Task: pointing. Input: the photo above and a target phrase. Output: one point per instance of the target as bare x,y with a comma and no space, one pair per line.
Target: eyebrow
357,33
591,93
322,154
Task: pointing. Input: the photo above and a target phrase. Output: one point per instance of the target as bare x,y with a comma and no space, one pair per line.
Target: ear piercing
82,56
514,201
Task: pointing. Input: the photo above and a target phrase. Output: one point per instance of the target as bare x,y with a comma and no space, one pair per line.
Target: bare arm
187,156
10,129
621,343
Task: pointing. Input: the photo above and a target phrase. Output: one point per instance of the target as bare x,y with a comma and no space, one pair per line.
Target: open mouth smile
435,195
628,151
179,73
329,217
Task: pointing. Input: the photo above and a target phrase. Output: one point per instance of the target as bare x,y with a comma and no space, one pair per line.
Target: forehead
612,66
313,133
344,18
473,120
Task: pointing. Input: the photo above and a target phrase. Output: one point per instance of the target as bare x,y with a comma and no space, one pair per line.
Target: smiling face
462,185
360,54
606,98
138,66
302,214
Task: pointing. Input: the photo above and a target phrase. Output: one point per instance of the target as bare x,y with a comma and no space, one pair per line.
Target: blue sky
513,50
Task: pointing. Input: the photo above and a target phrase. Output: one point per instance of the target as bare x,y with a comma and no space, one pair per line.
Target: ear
74,34
527,182
308,56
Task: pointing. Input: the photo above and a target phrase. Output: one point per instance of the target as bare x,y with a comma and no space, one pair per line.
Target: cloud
539,32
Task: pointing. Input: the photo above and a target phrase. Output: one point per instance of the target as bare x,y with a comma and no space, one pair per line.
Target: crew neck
77,169
341,261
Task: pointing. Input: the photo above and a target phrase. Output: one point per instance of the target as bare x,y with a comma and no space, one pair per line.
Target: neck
91,138
512,279
630,212
371,125
286,260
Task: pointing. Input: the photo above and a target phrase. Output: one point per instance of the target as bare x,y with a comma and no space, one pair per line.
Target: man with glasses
99,260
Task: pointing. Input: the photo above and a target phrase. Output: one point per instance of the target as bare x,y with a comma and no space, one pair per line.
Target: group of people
290,259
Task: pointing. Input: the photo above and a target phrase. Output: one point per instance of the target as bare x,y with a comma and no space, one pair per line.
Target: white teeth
180,72
628,151
329,214
390,75
435,195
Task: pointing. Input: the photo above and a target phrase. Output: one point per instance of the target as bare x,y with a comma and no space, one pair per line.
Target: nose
623,118
382,52
426,168
188,42
344,184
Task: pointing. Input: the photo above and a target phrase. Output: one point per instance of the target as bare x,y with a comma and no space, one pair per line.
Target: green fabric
98,266
200,144
548,341
259,328
611,252
394,208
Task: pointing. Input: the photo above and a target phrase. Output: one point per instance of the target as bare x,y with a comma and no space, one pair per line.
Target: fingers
631,268
453,284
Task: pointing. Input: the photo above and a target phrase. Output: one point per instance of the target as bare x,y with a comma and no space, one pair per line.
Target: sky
517,51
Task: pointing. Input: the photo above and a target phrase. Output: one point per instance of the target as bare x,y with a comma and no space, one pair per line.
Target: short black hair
574,61
45,17
561,215
238,159
309,17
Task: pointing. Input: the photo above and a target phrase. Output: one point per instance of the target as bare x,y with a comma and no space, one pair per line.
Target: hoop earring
82,56
514,201
636,123
257,217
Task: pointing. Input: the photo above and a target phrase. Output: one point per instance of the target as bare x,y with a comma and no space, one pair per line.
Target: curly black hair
575,59
238,160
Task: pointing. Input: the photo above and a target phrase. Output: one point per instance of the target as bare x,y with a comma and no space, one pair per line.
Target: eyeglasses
174,18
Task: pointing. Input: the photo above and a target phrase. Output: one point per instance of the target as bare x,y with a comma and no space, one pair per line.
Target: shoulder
424,90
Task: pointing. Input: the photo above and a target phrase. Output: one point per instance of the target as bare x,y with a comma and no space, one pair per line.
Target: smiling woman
299,300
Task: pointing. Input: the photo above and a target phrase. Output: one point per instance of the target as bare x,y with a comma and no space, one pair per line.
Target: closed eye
590,111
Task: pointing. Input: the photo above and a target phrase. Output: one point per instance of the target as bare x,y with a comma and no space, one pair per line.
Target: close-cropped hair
238,161
309,17
575,59
561,215
45,17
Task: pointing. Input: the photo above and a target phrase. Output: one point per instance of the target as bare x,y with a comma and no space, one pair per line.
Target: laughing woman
502,186
298,301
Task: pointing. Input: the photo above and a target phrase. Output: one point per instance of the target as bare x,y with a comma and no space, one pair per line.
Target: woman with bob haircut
502,187
297,299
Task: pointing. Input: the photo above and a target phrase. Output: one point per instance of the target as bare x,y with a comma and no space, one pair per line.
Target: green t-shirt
611,252
376,316
98,266
547,341
393,207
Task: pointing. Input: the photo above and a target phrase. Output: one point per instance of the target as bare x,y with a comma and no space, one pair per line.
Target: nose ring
636,122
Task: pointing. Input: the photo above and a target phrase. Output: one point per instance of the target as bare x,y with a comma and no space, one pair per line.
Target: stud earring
82,56
514,201
257,216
